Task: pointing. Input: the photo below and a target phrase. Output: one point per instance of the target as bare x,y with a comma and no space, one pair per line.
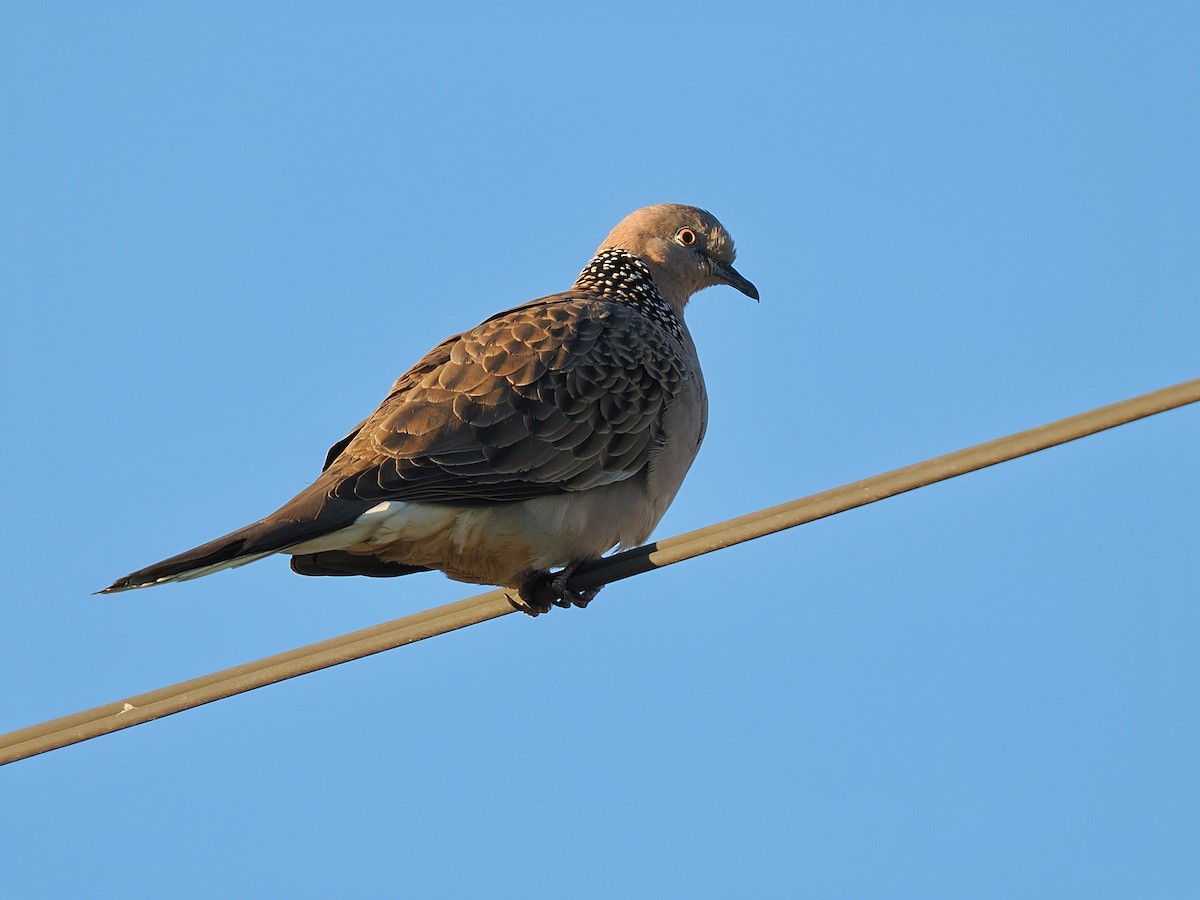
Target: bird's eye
685,237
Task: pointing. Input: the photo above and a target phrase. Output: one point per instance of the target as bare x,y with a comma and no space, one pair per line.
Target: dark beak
732,277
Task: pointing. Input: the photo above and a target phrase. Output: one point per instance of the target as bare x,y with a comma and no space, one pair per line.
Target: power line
175,698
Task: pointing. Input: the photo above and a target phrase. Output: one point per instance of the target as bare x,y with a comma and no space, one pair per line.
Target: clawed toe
543,590
565,596
531,598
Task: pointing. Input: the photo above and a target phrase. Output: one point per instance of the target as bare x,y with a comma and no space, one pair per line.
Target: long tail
222,553
311,514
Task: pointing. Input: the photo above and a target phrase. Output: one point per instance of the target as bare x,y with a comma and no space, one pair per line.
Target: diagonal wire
110,717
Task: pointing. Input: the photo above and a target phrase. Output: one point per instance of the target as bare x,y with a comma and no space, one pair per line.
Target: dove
545,436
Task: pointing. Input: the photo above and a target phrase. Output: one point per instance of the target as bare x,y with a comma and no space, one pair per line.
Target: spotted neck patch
623,277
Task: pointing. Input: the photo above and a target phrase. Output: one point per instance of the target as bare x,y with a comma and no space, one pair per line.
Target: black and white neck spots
623,277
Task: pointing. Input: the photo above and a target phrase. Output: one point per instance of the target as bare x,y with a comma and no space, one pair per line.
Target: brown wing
562,394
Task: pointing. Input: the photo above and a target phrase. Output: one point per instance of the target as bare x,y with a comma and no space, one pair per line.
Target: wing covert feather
563,394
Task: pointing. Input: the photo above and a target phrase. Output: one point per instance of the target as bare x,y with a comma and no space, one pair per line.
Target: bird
511,453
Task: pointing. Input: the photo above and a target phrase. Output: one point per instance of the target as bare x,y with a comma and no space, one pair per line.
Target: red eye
685,237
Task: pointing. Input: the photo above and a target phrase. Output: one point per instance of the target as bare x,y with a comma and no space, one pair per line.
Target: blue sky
226,229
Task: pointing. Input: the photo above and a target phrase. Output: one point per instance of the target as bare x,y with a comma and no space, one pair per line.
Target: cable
110,717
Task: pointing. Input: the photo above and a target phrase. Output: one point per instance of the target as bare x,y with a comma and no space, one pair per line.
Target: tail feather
223,553
338,562
310,515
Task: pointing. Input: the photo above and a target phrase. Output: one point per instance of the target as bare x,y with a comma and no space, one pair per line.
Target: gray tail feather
339,562
278,531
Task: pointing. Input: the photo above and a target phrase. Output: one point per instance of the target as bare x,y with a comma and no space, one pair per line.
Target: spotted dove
542,437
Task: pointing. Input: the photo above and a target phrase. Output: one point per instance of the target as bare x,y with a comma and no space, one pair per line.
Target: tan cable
175,698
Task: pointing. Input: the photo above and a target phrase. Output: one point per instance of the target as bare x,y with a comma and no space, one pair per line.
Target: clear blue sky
227,227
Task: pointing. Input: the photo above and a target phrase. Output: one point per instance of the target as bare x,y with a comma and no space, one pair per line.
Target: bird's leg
539,591
566,596
533,594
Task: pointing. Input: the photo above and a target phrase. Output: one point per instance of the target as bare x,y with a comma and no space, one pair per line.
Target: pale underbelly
501,543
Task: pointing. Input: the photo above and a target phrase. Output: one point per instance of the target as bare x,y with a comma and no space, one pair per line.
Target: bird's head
686,248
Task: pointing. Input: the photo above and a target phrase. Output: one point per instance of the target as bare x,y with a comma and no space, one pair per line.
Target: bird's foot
542,590
567,597
531,597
